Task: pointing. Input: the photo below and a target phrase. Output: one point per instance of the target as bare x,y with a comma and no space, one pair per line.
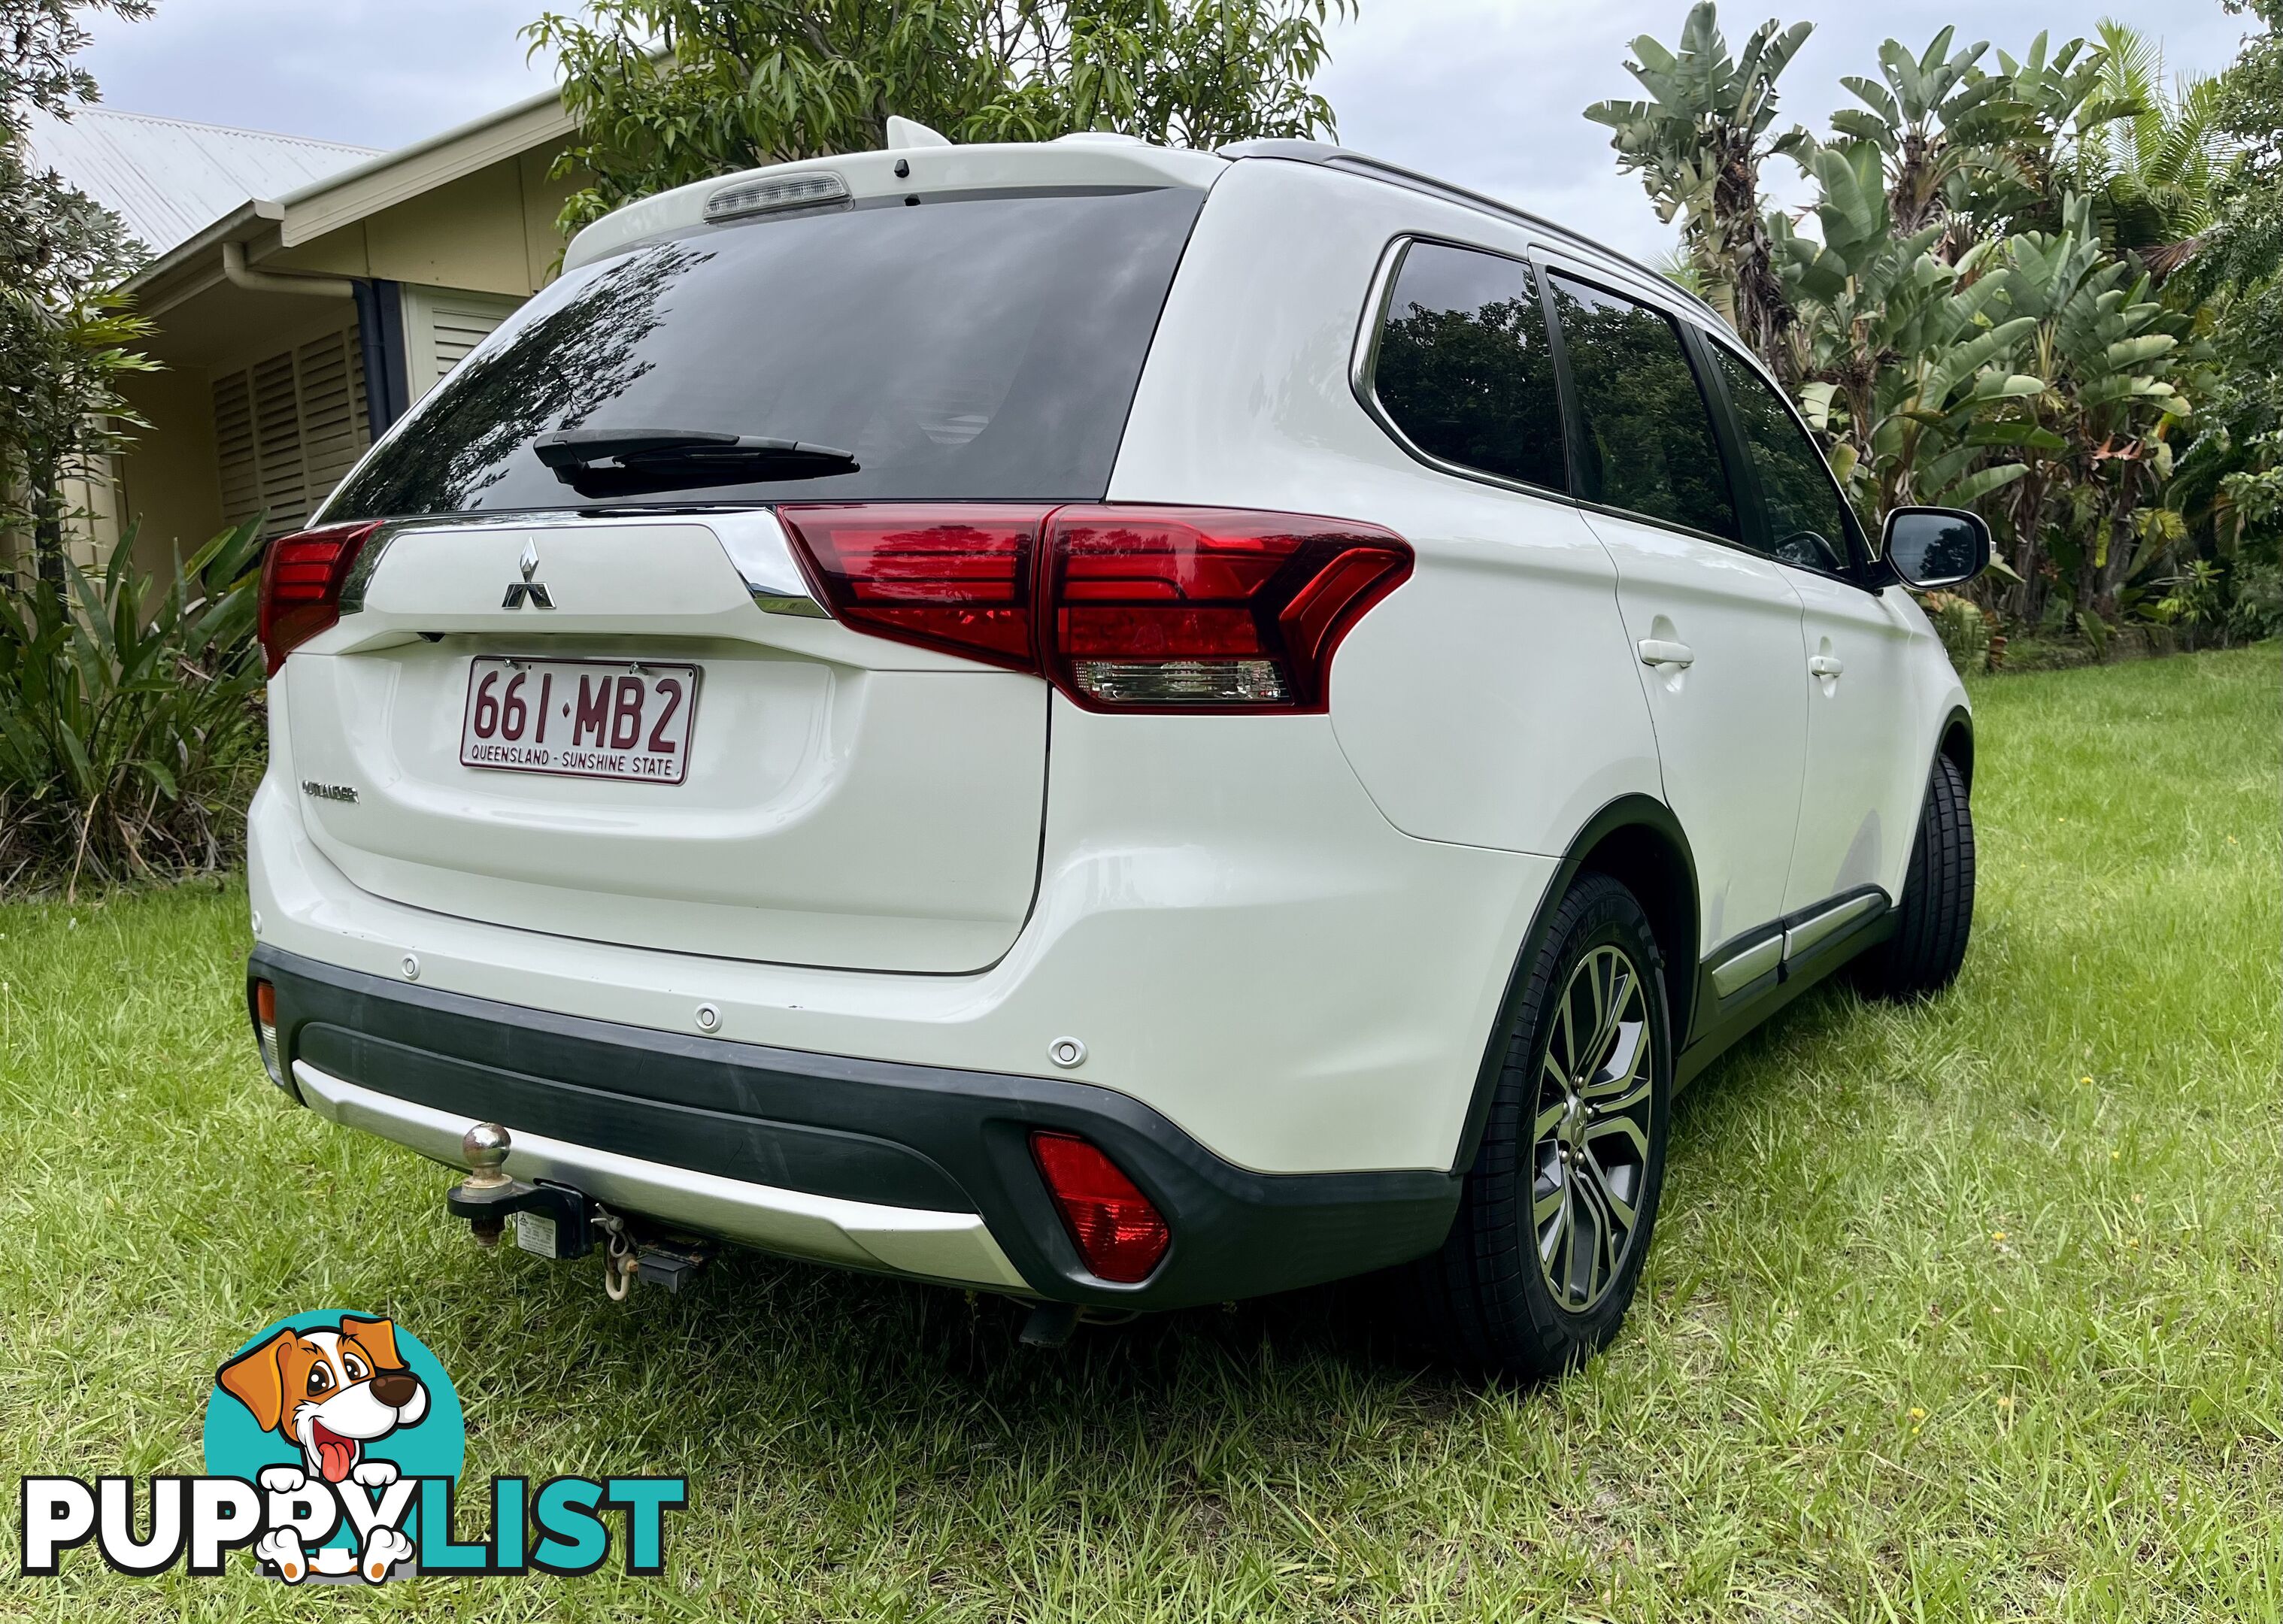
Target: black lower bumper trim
871,1131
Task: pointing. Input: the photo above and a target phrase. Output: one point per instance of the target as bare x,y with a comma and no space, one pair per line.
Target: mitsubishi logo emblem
535,591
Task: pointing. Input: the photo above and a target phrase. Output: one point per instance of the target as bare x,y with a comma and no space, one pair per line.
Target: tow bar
556,1222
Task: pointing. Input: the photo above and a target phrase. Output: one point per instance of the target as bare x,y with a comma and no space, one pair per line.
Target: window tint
985,348
1649,446
1462,367
1807,518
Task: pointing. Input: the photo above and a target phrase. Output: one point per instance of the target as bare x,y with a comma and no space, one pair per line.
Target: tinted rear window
979,348
1463,368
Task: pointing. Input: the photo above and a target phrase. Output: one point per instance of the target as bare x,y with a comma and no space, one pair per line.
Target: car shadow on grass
766,1354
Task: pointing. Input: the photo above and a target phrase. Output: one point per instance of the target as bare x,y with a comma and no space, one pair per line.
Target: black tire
1936,915
1484,1298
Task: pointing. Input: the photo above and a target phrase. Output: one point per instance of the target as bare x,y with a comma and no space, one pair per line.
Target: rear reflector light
302,585
265,1030
1118,1231
1122,608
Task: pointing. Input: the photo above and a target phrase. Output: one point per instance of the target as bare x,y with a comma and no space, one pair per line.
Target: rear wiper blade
620,461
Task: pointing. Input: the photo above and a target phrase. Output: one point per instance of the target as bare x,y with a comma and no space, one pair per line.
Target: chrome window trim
1363,363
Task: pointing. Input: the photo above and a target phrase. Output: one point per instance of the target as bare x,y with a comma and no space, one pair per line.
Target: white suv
1127,727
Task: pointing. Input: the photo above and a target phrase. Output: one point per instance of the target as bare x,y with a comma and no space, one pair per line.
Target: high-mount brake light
1118,1230
301,581
1140,609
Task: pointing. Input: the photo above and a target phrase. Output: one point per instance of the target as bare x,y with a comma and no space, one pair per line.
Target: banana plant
1905,355
2095,433
2057,98
1932,117
1698,143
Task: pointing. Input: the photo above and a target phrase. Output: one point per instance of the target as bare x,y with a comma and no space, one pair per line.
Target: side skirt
1747,980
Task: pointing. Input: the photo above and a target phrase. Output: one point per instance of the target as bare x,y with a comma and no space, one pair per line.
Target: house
305,294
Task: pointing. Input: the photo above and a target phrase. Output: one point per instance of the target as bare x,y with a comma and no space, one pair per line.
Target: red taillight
1180,608
958,578
302,585
1118,1233
1122,608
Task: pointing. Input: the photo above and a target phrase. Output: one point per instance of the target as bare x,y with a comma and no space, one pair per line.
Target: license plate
580,718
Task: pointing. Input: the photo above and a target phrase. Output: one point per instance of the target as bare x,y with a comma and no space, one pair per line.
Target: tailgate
843,801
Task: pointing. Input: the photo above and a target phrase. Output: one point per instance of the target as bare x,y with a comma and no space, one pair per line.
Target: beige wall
168,479
491,233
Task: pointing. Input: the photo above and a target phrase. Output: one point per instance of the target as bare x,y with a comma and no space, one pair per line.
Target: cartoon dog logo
329,1393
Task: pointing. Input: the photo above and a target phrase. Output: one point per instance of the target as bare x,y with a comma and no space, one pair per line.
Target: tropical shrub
131,726
1996,298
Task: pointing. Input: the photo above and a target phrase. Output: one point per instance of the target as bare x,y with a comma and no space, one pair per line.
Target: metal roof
169,179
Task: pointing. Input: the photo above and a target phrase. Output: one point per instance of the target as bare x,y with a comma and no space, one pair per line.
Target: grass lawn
1968,1310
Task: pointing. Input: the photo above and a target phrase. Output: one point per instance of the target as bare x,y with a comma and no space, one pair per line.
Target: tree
2230,489
1698,145
2157,171
1905,357
669,91
1931,117
2245,247
64,334
2097,432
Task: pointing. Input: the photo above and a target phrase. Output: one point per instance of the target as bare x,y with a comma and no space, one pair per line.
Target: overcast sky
1487,93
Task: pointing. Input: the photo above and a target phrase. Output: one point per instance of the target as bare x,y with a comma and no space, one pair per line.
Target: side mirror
1936,546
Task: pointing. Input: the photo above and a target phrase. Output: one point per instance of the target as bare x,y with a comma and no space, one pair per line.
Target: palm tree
2154,173
1698,145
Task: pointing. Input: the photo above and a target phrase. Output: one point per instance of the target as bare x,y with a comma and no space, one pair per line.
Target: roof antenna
904,132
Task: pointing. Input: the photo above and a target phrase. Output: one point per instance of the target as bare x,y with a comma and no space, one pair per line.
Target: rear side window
1807,517
1649,443
1462,367
982,348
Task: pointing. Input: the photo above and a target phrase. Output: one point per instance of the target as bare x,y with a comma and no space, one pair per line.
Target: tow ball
549,1220
557,1222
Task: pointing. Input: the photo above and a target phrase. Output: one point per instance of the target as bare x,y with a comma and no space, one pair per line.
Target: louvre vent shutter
333,412
241,475
287,427
441,326
458,331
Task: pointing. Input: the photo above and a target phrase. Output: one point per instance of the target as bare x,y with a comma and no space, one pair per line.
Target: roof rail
1330,157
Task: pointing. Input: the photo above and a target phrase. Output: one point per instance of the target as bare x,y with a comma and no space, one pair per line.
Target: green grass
1967,1310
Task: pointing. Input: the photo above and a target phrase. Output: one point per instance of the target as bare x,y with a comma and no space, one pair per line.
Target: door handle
1656,651
1825,665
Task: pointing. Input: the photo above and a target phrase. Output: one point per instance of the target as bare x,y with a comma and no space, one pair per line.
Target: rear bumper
916,1169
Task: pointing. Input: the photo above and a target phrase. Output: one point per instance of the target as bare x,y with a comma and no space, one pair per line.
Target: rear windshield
985,347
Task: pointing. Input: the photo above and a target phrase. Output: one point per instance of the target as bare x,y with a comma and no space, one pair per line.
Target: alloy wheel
1590,1143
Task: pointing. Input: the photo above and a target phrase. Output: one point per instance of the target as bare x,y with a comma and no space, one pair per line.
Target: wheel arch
1957,743
1636,841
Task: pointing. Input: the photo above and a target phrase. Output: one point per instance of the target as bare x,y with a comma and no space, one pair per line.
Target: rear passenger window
1462,367
1807,517
1649,443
